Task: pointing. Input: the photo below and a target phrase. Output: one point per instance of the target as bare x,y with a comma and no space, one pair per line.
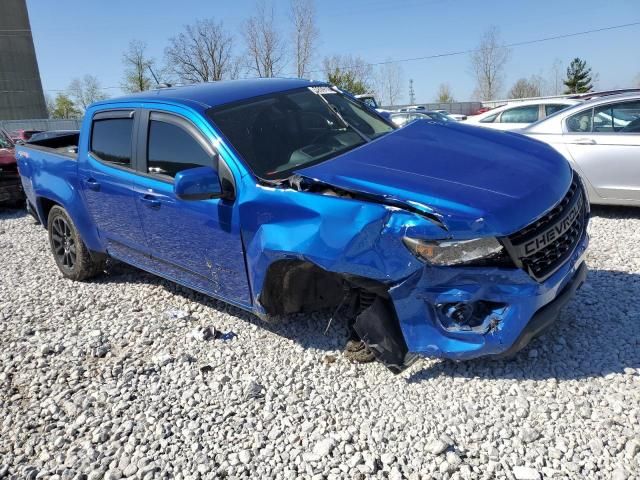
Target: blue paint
476,182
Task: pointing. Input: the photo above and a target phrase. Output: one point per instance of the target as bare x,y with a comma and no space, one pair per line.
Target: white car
518,115
601,140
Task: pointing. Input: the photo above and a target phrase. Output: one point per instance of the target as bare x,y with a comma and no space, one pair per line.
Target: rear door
195,242
107,178
605,143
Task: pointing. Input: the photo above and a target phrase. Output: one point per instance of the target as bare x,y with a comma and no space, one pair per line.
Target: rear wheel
69,251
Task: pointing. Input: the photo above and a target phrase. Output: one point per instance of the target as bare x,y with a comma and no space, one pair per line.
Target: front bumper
526,307
10,189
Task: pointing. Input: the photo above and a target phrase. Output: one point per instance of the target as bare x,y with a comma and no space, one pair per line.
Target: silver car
601,139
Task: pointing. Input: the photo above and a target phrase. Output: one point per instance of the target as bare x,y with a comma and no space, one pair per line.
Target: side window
111,140
603,121
553,108
171,149
621,117
490,118
580,122
528,114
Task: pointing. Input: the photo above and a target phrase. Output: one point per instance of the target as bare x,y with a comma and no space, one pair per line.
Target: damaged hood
479,181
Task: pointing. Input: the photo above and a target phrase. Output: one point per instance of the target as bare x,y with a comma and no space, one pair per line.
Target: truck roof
212,94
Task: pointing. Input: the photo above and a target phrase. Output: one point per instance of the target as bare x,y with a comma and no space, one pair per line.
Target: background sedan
601,138
518,115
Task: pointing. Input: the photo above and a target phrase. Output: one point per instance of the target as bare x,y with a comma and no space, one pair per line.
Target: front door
107,179
195,242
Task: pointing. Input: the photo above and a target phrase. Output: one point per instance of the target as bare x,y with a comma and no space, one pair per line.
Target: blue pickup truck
283,195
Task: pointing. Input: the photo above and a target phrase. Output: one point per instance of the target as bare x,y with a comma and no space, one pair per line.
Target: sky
77,37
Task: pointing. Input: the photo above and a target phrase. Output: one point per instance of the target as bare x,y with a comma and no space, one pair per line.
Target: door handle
92,184
150,201
585,141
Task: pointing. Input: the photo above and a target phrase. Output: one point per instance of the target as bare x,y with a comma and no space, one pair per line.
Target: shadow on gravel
597,334
611,211
9,212
307,330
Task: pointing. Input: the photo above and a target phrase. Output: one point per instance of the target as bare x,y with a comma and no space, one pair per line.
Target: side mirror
200,183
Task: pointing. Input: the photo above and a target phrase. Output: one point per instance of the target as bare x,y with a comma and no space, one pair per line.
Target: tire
69,251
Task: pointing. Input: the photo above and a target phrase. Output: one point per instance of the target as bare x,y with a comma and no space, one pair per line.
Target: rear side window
553,108
172,149
111,140
528,114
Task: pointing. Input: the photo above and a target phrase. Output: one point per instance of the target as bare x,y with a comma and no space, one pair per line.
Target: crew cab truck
282,196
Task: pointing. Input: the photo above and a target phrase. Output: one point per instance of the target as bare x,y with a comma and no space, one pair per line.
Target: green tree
63,107
349,73
346,80
579,77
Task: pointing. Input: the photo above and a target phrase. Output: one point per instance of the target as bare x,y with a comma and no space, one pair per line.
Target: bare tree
487,64
444,94
237,67
86,91
265,46
524,88
305,34
201,53
556,77
390,83
138,67
349,72
50,103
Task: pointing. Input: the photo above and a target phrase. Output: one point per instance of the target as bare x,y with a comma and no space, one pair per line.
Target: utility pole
412,94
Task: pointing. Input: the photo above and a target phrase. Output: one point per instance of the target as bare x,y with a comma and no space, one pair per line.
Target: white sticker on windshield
322,90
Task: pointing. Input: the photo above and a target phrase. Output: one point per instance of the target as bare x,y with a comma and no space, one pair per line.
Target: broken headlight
454,252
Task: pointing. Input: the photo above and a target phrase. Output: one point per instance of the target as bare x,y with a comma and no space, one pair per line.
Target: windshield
278,133
5,141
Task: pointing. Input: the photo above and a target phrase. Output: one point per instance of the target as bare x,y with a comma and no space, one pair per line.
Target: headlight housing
454,252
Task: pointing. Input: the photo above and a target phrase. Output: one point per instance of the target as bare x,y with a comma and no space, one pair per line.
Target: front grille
543,246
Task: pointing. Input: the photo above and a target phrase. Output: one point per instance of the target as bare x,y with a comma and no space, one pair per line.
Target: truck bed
49,169
66,145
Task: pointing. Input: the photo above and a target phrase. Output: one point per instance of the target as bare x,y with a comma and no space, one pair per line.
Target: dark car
10,186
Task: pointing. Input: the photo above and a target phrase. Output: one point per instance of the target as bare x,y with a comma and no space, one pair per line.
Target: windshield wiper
341,118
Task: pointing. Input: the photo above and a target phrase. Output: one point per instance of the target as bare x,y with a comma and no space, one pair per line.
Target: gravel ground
124,376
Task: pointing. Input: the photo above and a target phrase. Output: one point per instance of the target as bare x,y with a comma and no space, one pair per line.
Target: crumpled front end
302,255
462,313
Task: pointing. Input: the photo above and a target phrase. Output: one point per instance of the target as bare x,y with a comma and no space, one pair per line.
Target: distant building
21,94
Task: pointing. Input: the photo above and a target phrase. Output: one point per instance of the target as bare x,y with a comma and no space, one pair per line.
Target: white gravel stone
97,380
526,473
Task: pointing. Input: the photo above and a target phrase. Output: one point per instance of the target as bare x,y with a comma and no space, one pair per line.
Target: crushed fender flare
378,327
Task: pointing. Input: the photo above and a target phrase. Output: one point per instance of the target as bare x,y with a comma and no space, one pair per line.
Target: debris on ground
176,314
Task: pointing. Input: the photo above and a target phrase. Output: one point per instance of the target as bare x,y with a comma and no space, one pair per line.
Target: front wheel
69,251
